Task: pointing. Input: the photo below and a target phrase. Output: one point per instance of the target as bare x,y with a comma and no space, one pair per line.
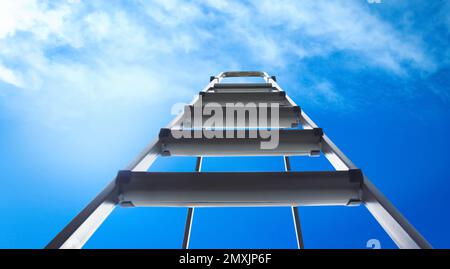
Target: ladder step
223,98
205,189
283,142
288,117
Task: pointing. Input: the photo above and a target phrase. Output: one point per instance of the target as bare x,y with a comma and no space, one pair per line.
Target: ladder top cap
243,74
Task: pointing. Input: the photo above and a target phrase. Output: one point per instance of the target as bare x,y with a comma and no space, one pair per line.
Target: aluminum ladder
347,186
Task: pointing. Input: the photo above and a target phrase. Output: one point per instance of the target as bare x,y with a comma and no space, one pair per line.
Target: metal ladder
134,186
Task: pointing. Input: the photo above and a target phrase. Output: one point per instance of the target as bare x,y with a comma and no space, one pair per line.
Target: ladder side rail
190,213
75,234
391,220
295,213
78,231
188,228
298,229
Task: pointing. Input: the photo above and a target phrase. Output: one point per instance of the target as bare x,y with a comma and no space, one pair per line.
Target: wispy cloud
87,54
344,25
9,76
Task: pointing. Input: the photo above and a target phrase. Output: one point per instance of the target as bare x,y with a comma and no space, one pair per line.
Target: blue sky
85,85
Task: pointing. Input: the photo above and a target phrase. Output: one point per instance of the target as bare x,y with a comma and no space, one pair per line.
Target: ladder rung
290,142
288,117
231,90
223,98
242,85
202,189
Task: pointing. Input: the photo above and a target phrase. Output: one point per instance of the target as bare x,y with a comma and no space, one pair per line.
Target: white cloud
8,76
16,15
323,27
89,54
